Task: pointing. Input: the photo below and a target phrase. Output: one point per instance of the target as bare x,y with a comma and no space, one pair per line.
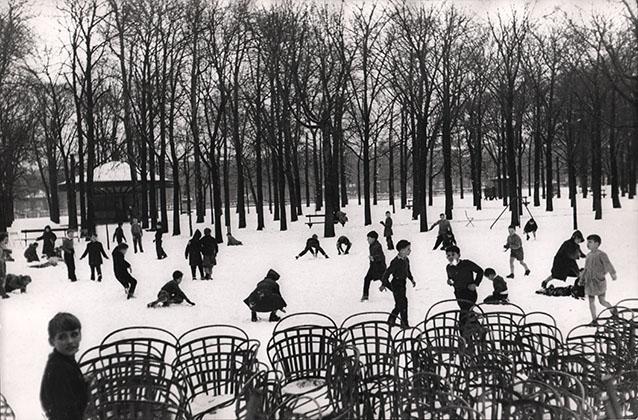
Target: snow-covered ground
330,286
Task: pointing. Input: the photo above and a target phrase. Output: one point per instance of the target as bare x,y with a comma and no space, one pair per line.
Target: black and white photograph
318,209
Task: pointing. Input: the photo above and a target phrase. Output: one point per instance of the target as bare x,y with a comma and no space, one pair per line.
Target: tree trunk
391,166
596,160
317,178
613,159
305,171
71,197
375,180
538,150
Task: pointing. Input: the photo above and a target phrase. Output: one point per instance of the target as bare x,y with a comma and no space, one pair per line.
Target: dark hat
578,235
272,274
373,234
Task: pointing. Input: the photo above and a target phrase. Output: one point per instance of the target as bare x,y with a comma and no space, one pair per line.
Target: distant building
115,196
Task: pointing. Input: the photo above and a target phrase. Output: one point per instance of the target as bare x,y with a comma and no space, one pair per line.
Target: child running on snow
377,263
597,265
171,292
500,294
515,245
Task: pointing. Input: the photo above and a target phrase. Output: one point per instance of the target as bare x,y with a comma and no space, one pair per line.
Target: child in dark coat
312,245
377,264
158,242
461,275
266,297
121,269
500,294
118,235
399,269
31,253
343,241
95,251
564,264
387,230
530,227
64,391
171,292
209,254
136,233
193,254
48,241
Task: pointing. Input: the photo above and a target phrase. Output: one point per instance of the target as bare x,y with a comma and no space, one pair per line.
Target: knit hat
272,274
373,234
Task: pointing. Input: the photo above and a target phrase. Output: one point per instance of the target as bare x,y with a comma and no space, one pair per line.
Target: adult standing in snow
158,242
95,251
121,269
266,297
377,263
564,264
209,254
312,245
118,235
444,229
48,239
69,255
136,233
387,230
193,254
460,275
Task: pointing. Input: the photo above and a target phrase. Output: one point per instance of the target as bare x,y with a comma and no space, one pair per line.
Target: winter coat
387,227
444,226
564,264
174,291
377,265
67,246
209,245
343,240
63,392
95,251
500,285
266,297
31,254
118,235
120,265
530,226
48,243
399,269
312,243
136,229
194,252
462,274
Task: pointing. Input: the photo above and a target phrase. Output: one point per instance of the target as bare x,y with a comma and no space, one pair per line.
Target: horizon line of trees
284,106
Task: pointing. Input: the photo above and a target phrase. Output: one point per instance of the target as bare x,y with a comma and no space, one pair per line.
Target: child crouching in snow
597,265
500,288
171,292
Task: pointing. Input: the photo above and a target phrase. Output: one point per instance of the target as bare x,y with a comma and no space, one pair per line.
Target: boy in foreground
515,245
399,269
377,263
460,274
64,391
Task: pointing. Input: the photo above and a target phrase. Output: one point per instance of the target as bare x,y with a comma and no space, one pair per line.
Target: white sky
50,32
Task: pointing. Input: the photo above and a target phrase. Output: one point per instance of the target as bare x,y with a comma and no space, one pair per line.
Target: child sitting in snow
171,292
500,288
231,241
31,253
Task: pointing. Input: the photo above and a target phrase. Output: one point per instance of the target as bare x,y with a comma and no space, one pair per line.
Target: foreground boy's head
490,273
511,229
452,253
4,238
442,216
404,248
387,214
372,236
207,232
93,237
65,333
122,248
177,276
593,242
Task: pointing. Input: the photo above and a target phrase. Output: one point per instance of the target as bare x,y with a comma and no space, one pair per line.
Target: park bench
27,232
310,221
